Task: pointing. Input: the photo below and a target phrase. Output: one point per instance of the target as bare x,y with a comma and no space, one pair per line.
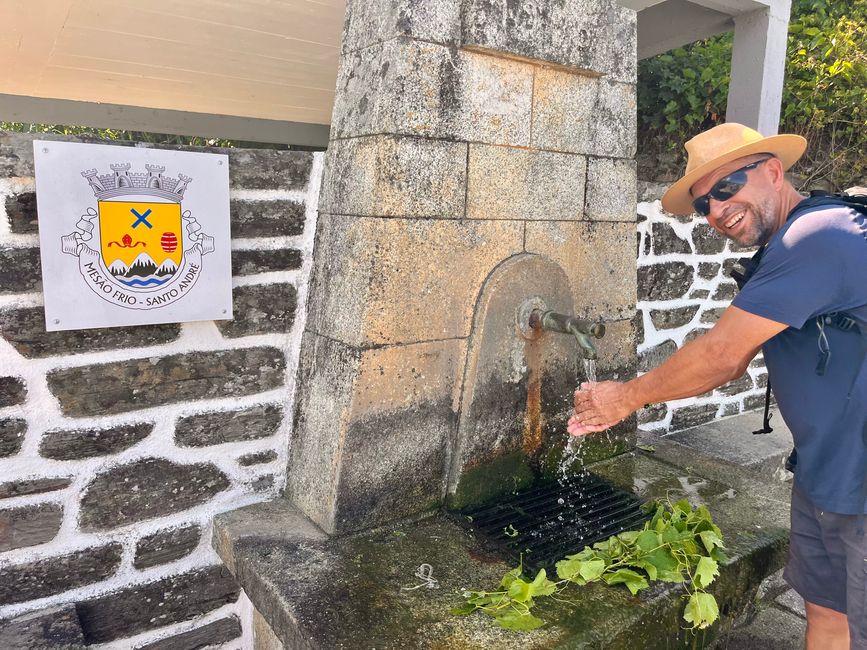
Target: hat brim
787,147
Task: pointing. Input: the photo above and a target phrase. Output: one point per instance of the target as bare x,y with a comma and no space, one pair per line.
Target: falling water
572,450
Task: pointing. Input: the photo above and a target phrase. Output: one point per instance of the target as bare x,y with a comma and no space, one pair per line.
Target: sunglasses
725,188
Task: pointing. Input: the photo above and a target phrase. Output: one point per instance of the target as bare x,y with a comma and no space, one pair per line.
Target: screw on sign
169,242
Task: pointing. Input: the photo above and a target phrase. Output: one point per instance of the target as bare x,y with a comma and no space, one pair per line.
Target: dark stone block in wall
11,436
699,294
694,334
143,383
652,413
262,483
20,270
260,309
652,357
25,330
29,525
12,391
56,628
257,458
725,291
255,261
86,443
708,270
210,635
671,318
140,608
166,546
32,486
730,409
762,380
712,315
756,401
264,169
53,575
228,426
707,241
665,281
266,218
666,241
739,385
21,209
692,416
146,489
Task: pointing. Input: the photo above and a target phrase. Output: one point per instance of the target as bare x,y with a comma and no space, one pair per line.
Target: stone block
166,546
146,489
25,331
699,294
144,383
11,436
395,177
708,270
384,281
20,270
691,416
46,577
260,309
665,281
21,212
652,357
611,188
266,218
670,318
251,262
16,155
652,413
510,183
29,525
374,21
599,260
87,443
582,34
725,291
33,486
211,635
206,429
581,114
666,241
55,628
265,169
739,385
707,241
12,391
264,637
712,315
258,458
139,608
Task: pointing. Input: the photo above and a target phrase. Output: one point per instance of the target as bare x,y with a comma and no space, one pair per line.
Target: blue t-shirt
816,264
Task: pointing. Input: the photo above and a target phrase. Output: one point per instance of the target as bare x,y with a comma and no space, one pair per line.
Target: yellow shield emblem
141,242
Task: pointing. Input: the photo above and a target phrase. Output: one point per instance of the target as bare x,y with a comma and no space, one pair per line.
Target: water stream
572,451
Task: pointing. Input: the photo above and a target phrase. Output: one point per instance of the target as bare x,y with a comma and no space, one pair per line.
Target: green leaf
541,586
648,540
684,506
512,619
648,448
705,572
569,570
592,569
635,582
510,577
520,590
628,537
701,610
710,540
463,610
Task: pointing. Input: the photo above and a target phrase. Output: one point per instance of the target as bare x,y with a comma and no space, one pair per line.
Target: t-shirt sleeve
800,275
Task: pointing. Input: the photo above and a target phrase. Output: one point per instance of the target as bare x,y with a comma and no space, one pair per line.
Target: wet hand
598,406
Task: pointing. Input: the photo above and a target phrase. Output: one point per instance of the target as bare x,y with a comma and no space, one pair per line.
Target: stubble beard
761,227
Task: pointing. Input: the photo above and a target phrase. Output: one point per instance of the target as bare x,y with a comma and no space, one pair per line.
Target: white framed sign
132,236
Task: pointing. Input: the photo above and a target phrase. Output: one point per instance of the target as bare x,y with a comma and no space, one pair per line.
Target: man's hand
598,406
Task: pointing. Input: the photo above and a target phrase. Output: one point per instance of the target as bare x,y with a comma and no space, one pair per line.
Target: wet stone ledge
11,436
260,309
20,270
207,636
21,210
665,281
87,443
144,383
228,426
12,391
147,489
250,262
166,546
146,607
33,486
29,525
252,218
692,416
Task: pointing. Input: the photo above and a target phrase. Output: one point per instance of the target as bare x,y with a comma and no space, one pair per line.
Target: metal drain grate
553,520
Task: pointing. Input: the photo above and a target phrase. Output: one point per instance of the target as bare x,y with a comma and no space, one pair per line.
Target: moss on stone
486,482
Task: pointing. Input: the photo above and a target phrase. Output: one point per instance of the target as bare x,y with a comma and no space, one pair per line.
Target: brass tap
582,330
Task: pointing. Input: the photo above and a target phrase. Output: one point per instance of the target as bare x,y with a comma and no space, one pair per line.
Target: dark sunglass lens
702,205
727,187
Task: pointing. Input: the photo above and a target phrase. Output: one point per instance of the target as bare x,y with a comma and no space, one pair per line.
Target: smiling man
803,302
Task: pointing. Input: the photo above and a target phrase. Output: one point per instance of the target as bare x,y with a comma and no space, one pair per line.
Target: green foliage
114,134
678,544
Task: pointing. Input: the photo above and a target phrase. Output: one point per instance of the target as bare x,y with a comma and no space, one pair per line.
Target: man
813,268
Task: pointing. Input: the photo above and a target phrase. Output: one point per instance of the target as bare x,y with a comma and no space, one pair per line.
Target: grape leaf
705,572
463,610
701,610
512,619
710,540
635,582
648,540
541,586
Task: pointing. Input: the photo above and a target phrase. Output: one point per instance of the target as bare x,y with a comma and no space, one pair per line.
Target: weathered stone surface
12,391
250,262
23,582
666,240
581,114
166,546
510,183
262,483
756,401
228,426
691,416
671,318
402,281
25,330
11,436
29,525
376,21
584,34
32,486
264,637
694,334
140,608
739,385
665,281
56,628
266,169
208,636
21,210
712,315
725,291
650,191
142,383
652,357
707,240
652,413
260,309
395,177
20,270
599,260
708,270
266,218
729,410
611,190
86,443
699,294
762,380
146,489
257,458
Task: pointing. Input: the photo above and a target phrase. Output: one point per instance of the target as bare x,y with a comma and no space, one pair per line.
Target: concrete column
758,67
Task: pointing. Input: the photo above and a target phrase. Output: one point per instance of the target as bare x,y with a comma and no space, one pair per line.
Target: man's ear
775,169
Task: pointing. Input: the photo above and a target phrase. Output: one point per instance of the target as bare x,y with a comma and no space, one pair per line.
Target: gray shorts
828,563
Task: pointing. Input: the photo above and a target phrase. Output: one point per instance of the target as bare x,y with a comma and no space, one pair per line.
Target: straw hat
714,148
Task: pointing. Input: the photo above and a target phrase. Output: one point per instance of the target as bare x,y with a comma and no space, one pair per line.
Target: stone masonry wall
683,288
118,446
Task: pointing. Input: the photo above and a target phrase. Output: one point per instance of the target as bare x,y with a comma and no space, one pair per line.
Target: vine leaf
701,610
705,572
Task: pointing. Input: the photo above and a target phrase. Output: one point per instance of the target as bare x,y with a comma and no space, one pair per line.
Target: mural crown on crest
123,182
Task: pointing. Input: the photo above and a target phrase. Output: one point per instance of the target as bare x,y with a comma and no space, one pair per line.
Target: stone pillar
464,133
758,67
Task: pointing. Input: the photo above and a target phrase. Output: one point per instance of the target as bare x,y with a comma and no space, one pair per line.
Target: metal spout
582,330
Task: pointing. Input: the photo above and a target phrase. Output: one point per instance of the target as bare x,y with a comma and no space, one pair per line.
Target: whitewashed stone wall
118,446
683,287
